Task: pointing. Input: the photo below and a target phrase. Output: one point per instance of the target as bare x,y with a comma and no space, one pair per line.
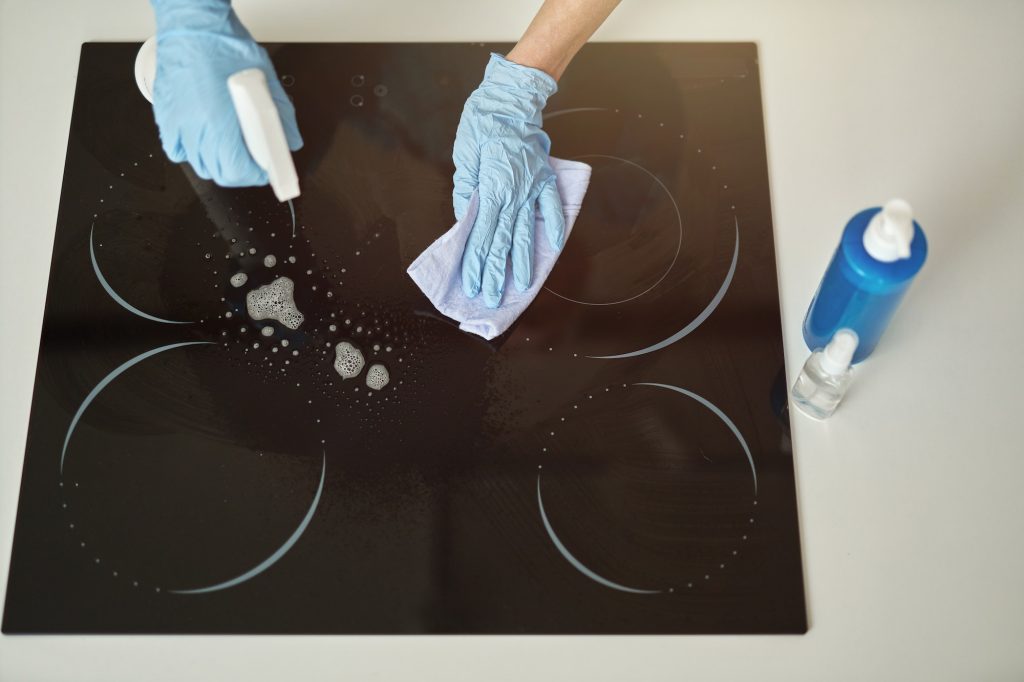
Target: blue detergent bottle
881,251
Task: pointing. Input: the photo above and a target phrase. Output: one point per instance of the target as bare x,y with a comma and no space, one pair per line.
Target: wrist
542,60
501,71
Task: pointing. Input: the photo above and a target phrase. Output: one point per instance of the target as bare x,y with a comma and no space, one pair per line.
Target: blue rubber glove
501,151
200,43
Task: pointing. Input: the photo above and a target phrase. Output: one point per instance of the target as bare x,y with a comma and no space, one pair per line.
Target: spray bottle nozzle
890,233
839,352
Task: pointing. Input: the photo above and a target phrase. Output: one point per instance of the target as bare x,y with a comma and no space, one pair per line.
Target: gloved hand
200,43
501,150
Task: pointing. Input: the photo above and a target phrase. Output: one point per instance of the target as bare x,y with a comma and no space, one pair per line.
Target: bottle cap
145,68
839,352
890,232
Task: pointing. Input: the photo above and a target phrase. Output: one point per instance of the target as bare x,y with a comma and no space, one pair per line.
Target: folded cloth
437,271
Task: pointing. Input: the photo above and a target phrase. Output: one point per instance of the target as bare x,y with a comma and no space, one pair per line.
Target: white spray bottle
257,115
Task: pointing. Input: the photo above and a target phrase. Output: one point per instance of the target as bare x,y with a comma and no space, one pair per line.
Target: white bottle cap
145,68
263,132
838,353
890,232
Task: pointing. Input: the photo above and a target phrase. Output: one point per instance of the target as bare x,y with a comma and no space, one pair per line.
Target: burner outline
105,381
679,223
578,565
697,321
278,553
114,295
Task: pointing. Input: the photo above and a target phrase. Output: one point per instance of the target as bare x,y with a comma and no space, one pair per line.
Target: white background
911,510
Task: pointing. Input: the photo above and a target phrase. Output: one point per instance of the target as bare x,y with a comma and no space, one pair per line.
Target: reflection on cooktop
247,419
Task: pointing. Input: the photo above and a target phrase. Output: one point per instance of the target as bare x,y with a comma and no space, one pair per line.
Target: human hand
200,43
502,152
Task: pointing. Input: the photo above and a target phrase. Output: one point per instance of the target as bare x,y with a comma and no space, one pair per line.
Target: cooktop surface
617,462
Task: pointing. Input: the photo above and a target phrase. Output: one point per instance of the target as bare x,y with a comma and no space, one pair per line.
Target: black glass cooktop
615,463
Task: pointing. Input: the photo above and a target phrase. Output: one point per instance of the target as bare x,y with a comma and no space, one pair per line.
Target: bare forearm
559,30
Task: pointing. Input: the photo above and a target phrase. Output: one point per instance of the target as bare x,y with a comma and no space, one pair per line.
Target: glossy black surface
196,466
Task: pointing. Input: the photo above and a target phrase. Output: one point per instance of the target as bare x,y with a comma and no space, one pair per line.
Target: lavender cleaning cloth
437,271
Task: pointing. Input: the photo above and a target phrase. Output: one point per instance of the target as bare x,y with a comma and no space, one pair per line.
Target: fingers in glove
478,246
231,164
496,265
522,246
550,203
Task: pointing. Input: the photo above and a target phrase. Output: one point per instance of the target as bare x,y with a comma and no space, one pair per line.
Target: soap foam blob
238,279
270,260
267,331
377,377
275,301
348,360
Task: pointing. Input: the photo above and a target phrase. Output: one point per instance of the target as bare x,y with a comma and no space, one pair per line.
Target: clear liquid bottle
826,376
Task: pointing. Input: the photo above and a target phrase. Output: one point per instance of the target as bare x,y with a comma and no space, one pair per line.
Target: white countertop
911,513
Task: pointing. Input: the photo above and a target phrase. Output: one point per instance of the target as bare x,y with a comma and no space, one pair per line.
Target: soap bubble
275,301
348,360
377,377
